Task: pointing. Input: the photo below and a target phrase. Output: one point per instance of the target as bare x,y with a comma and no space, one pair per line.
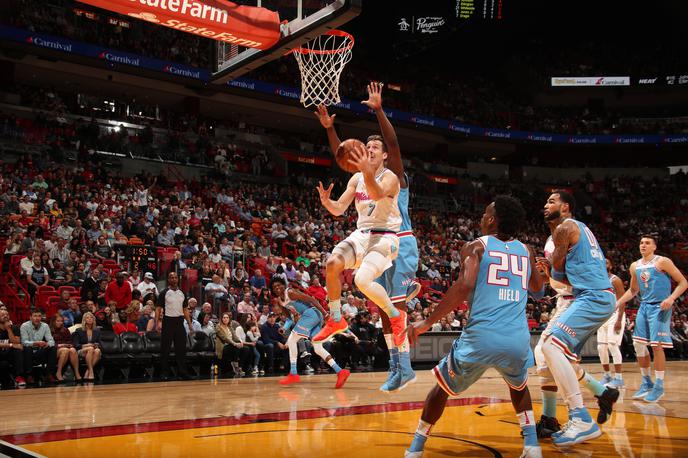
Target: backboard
302,21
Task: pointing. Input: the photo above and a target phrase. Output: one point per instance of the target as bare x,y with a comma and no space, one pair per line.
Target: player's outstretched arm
374,102
337,207
668,266
632,288
461,291
327,122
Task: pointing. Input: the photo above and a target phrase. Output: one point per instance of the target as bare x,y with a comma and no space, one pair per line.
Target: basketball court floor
258,417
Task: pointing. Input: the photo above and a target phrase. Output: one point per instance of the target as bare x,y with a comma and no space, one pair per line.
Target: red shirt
119,294
317,292
119,328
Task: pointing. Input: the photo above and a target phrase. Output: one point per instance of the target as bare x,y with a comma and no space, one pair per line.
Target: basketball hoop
321,62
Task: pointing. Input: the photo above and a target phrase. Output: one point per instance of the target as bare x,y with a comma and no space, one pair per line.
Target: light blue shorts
398,278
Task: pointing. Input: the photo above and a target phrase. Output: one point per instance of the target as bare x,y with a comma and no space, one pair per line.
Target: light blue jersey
496,335
403,203
497,329
586,268
654,285
310,320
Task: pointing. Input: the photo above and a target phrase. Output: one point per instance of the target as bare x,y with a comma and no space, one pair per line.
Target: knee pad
364,276
640,349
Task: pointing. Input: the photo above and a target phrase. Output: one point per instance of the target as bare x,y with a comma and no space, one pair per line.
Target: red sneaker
19,380
331,328
289,379
341,378
398,328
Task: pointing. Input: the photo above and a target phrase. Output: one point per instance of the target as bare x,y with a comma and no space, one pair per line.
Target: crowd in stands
66,227
465,97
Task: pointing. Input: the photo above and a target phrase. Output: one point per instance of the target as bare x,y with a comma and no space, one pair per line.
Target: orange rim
334,32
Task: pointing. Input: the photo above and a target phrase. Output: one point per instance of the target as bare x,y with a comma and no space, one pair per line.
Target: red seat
71,289
189,279
52,307
43,297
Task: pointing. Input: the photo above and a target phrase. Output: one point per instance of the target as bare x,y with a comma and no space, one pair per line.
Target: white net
321,62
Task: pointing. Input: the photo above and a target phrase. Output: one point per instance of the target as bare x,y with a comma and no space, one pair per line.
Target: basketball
343,153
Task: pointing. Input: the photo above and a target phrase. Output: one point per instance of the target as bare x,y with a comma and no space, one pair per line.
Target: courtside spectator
119,291
227,347
87,343
124,325
276,350
65,348
39,346
11,348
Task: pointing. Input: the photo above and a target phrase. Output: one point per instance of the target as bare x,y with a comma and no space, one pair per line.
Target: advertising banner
220,20
591,81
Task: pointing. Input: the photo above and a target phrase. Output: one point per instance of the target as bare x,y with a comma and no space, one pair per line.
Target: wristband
558,276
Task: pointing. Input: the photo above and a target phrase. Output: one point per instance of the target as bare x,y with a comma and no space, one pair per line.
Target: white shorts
562,305
606,334
361,242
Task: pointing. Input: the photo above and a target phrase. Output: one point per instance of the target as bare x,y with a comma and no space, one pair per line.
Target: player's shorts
589,310
653,325
455,376
398,278
363,241
606,334
309,324
563,303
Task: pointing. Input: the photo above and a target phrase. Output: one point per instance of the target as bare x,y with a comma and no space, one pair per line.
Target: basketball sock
549,403
591,383
619,376
393,351
293,345
608,373
336,309
659,375
564,374
645,371
325,355
526,420
405,347
422,433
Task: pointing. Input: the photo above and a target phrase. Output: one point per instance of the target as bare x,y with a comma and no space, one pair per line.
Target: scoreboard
143,258
478,9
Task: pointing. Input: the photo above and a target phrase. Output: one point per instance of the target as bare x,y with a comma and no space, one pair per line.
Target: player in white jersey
610,336
561,201
548,423
373,246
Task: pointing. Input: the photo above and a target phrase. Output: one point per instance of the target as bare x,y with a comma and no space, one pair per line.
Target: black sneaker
606,403
547,426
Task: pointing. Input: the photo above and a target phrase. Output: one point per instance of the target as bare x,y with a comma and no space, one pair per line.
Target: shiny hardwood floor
245,417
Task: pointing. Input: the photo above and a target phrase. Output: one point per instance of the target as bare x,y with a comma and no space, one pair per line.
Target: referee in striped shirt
172,308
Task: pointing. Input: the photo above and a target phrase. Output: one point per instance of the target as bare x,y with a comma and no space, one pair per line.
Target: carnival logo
51,44
182,72
120,59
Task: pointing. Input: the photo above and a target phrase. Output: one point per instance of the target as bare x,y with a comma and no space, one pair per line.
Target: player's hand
360,158
667,303
324,117
324,193
543,265
414,330
374,101
617,325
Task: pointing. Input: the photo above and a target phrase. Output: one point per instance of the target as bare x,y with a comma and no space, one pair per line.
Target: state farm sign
219,20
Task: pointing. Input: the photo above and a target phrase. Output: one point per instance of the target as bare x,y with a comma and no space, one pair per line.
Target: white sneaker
408,454
309,370
532,452
576,431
